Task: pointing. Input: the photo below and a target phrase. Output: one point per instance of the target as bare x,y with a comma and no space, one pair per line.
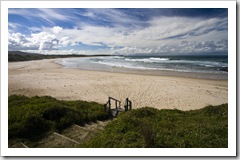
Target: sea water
205,64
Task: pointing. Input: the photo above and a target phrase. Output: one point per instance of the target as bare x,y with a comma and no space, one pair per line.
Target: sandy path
45,77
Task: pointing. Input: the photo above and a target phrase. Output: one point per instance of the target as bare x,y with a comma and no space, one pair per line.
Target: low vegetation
149,127
16,56
32,118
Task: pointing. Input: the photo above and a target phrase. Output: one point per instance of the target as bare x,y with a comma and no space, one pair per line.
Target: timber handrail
108,105
128,105
118,108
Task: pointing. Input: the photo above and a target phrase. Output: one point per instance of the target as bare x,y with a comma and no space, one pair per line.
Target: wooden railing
108,105
114,104
128,105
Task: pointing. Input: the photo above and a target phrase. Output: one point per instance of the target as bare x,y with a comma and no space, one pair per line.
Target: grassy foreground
32,118
149,127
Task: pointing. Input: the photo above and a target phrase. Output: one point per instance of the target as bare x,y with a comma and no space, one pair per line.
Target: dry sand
45,77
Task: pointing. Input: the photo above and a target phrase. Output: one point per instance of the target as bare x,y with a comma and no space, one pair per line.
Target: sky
118,31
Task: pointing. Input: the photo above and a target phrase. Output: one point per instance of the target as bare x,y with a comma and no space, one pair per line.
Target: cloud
39,41
125,34
41,15
14,26
60,52
53,14
56,29
18,41
113,17
184,47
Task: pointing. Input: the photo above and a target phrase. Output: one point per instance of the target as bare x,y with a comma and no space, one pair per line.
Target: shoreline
116,69
171,74
46,77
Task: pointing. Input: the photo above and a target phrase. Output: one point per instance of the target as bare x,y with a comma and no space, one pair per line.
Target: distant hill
16,56
19,53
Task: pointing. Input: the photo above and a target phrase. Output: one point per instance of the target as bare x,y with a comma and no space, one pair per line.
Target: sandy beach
45,77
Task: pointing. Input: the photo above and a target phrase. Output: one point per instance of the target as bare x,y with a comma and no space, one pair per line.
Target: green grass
149,127
31,118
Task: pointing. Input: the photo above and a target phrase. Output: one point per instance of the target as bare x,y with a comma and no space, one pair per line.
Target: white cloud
183,47
45,45
64,41
44,40
48,13
59,52
18,41
13,26
113,16
41,41
162,35
41,14
56,29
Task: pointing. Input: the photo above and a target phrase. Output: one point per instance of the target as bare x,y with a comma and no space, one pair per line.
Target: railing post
130,105
109,100
126,109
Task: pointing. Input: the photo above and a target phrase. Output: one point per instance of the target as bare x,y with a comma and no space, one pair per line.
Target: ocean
208,65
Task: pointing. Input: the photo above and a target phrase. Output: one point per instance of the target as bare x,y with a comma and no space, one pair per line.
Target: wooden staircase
114,106
68,138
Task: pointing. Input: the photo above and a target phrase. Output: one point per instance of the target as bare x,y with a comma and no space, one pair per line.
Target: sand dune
45,77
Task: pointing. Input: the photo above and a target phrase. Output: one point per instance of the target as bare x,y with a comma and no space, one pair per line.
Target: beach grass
149,127
31,118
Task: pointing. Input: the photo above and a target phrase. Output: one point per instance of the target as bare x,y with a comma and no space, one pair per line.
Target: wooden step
18,145
56,140
68,138
76,133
